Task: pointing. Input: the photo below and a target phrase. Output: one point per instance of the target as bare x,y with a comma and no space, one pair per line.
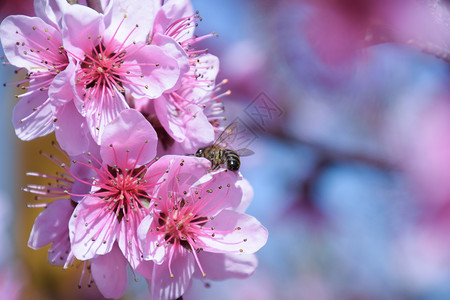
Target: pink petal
192,129
83,174
228,238
33,116
52,224
59,252
60,91
218,191
80,25
221,266
165,287
174,50
103,110
158,72
92,228
128,240
50,11
71,130
133,139
145,268
110,273
247,195
182,172
172,124
18,37
186,173
199,132
150,239
208,68
171,11
136,15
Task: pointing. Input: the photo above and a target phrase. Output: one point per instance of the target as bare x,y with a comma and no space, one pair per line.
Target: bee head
199,152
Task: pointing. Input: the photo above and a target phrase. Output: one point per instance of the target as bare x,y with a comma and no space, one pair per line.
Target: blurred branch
327,153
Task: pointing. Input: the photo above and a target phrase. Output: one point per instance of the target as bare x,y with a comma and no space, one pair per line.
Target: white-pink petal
234,233
92,228
150,240
182,265
154,71
51,11
133,139
109,272
128,240
22,36
71,130
80,27
138,12
52,224
33,116
171,11
102,110
174,50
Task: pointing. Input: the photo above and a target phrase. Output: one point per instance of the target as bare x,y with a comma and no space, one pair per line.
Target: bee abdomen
232,160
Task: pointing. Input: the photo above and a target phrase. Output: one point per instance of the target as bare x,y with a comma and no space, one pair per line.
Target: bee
219,153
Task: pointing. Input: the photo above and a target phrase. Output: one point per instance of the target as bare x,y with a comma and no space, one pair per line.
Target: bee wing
235,136
227,136
244,152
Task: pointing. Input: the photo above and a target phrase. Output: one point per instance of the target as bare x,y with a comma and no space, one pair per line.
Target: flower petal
50,11
52,224
234,233
163,286
71,130
218,191
59,253
171,11
22,36
174,50
110,273
199,132
80,25
133,139
172,124
154,71
33,116
103,110
247,194
60,91
128,240
135,15
150,240
93,228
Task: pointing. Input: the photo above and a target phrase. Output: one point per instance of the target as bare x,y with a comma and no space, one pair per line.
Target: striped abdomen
231,160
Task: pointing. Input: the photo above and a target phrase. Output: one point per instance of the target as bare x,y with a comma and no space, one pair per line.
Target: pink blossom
119,196
52,227
195,229
181,113
35,44
113,56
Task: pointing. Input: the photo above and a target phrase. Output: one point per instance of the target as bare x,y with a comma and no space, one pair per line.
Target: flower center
181,226
101,69
122,190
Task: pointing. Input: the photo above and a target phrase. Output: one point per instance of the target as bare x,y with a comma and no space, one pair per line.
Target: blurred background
348,103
